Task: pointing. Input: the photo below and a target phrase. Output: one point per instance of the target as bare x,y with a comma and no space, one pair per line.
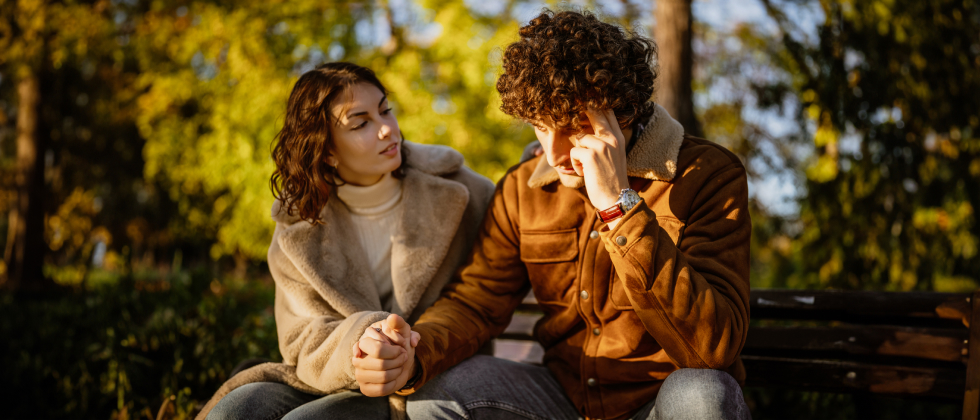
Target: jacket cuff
418,382
634,226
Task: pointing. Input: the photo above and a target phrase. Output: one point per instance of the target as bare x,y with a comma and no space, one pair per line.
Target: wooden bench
906,344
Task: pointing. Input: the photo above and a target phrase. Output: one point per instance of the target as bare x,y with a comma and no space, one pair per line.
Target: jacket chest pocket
617,293
551,258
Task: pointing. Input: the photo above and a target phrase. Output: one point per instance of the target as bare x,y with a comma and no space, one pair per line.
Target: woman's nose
385,131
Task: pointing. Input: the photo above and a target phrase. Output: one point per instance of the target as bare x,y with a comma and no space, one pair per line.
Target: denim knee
700,394
259,401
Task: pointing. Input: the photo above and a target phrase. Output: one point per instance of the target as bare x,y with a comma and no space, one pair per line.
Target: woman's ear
332,161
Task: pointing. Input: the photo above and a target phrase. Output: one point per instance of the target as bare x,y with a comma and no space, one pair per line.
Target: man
633,237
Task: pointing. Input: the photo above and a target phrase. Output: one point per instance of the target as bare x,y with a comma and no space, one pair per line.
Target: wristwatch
627,200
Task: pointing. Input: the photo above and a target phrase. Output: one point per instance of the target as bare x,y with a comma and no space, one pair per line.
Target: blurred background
135,140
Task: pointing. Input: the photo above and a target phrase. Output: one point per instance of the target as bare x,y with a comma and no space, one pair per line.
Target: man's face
556,145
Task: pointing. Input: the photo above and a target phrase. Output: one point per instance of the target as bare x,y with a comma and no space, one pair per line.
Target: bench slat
857,306
853,306
519,351
926,343
836,376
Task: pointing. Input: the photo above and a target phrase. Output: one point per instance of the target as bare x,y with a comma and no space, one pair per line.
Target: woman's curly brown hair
303,180
567,62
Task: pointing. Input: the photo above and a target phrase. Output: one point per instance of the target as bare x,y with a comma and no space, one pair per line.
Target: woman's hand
384,357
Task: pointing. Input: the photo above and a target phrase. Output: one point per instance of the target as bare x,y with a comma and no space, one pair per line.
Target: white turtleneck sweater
376,213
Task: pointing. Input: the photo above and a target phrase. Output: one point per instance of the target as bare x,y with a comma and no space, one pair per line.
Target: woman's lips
390,150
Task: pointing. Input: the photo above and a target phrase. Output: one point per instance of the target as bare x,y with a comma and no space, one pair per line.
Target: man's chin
571,181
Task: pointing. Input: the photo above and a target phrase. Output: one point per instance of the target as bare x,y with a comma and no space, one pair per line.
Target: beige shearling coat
325,297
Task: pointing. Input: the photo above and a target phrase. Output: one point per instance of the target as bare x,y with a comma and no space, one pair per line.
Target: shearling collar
327,256
654,157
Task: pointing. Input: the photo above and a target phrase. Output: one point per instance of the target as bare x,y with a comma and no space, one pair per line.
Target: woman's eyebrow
356,114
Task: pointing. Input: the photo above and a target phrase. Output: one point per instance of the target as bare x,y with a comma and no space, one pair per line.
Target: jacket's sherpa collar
654,157
432,210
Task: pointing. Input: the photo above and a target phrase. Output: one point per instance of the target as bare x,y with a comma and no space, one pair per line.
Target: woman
366,225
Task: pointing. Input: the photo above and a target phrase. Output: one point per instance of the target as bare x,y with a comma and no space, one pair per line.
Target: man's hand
600,158
384,357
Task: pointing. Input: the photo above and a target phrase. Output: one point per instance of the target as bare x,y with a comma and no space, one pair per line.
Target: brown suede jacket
667,289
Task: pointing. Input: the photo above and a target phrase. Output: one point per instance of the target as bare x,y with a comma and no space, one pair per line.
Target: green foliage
889,92
121,347
216,78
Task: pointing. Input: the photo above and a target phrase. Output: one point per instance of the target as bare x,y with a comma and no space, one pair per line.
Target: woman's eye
356,127
386,111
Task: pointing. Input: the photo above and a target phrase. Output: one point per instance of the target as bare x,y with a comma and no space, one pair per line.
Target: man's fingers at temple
600,122
614,123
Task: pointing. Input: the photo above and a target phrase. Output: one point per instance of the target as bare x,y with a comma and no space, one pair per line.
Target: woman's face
367,143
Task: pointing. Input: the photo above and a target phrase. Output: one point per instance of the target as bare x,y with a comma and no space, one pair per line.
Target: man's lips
567,170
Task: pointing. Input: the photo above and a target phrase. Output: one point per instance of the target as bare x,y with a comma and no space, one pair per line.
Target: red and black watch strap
610,214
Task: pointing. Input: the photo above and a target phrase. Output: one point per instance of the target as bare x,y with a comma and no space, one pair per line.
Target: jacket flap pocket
673,227
549,246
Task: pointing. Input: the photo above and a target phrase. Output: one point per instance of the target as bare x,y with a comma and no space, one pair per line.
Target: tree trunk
25,229
672,32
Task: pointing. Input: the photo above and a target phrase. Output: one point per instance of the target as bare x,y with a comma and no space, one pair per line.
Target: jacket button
596,331
594,235
620,240
592,382
584,295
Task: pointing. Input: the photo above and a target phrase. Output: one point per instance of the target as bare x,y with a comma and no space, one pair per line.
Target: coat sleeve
479,303
312,335
691,297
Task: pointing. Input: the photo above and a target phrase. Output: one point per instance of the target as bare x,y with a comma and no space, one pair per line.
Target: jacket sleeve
478,304
691,297
312,335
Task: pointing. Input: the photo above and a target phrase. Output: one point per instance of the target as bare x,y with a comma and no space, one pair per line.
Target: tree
672,32
215,80
23,25
889,91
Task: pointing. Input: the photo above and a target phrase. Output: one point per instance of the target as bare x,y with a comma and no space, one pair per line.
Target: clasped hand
384,357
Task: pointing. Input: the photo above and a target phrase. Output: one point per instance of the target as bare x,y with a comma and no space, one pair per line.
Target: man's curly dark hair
567,62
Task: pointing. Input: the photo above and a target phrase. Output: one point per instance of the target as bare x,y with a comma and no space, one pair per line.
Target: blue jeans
487,388
274,401
484,387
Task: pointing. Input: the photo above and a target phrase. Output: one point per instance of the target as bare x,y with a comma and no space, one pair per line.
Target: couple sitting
633,237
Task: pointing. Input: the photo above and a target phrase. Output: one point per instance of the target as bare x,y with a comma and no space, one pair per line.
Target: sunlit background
135,141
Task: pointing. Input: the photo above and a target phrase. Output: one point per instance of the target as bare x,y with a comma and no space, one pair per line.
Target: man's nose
554,147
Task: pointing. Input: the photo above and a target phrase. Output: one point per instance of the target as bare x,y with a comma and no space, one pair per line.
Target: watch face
630,199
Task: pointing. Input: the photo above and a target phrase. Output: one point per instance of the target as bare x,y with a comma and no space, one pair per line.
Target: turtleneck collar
372,199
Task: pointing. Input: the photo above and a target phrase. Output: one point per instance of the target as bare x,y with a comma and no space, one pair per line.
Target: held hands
384,360
600,159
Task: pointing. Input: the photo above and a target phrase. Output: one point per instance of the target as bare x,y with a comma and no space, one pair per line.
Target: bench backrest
898,343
